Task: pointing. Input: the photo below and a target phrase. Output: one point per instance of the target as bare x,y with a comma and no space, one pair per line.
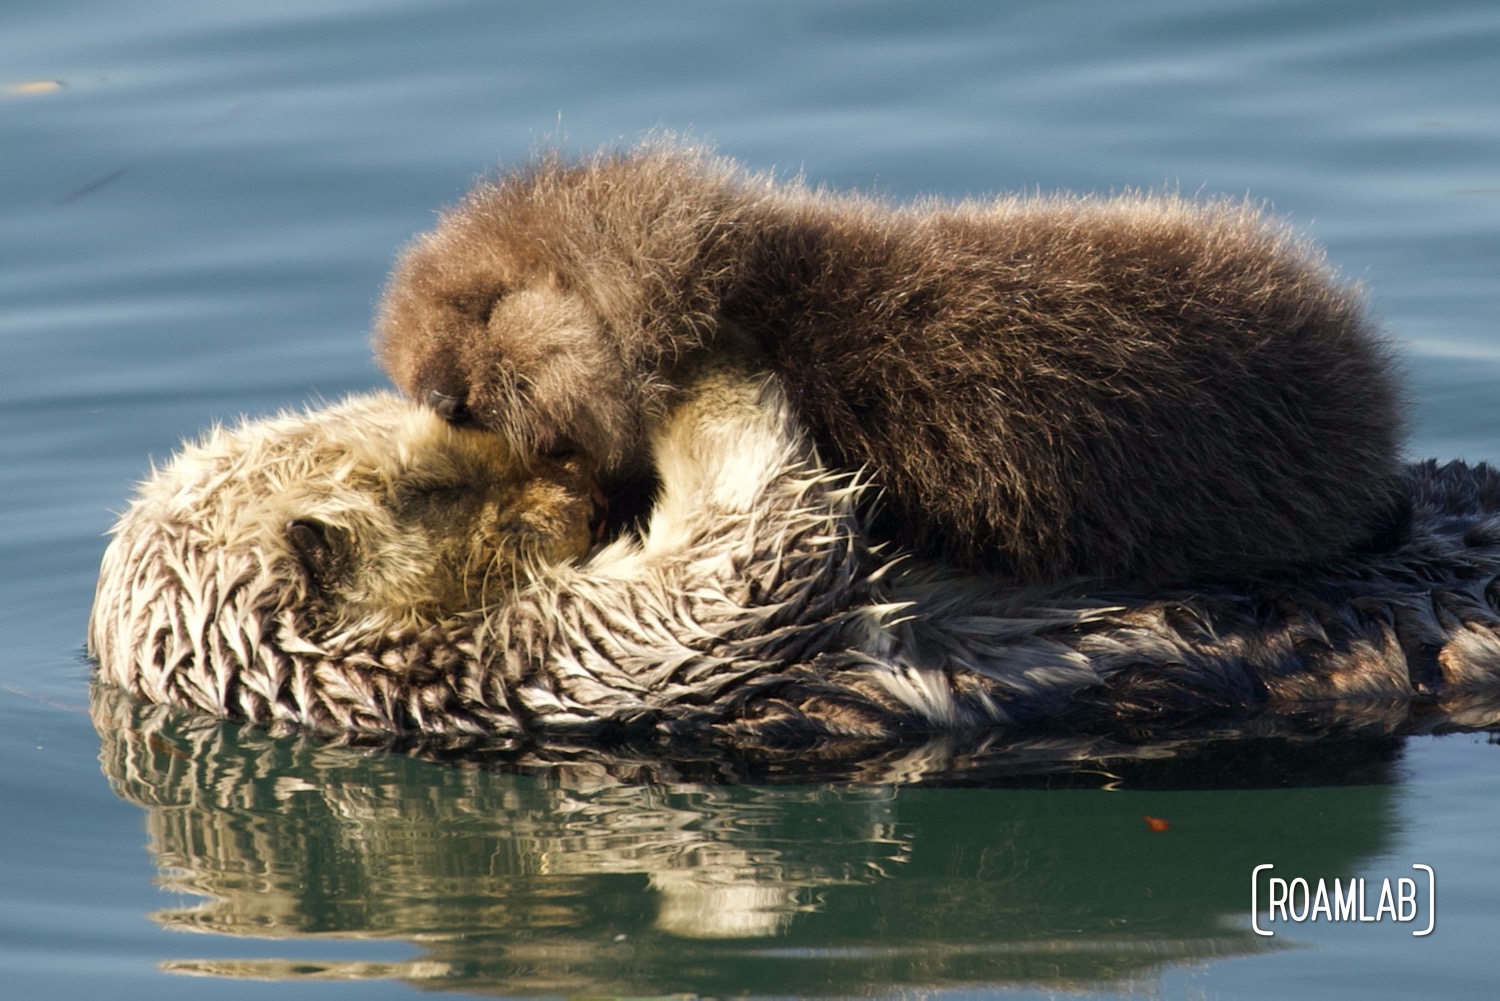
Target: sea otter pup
367,568
1139,387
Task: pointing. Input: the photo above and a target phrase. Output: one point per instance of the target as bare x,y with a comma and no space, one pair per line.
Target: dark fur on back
1140,387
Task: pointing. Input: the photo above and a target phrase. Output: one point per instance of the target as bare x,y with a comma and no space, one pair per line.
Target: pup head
548,303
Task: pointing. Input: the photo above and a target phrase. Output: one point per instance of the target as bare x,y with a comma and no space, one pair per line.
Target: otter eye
476,306
314,543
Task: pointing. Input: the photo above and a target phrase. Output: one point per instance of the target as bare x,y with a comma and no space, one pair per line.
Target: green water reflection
593,872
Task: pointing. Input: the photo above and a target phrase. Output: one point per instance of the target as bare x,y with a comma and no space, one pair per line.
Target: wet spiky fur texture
751,605
273,562
1142,387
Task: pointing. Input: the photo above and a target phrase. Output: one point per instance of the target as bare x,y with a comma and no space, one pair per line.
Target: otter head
510,316
305,538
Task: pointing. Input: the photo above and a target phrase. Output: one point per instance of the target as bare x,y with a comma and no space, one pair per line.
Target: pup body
1140,387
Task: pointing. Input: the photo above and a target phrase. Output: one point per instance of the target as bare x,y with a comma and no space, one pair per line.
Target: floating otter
362,528
1141,388
267,574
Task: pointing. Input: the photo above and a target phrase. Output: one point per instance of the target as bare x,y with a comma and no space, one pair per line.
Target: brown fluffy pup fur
1135,387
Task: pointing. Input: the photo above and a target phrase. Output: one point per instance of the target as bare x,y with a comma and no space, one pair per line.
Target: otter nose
450,408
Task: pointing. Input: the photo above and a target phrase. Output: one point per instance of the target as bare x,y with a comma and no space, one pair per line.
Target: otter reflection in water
368,568
620,873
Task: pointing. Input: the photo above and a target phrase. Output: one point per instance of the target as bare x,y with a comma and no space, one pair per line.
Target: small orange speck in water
1156,824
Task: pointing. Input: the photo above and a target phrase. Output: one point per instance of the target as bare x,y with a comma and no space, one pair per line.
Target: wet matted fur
750,606
1142,387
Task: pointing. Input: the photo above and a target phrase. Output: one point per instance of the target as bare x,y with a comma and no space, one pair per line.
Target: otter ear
320,549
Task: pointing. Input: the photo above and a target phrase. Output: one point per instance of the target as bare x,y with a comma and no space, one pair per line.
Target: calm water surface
198,204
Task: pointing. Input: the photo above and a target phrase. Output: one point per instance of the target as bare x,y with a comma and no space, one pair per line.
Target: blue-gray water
194,223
